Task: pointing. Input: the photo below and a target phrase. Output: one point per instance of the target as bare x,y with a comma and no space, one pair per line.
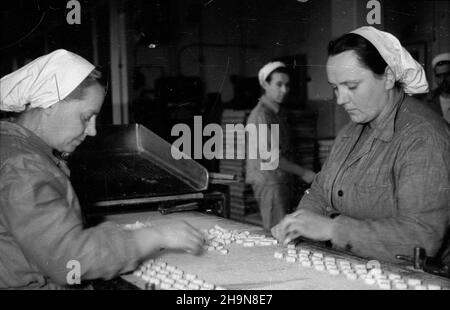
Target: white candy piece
176,276
183,281
278,255
363,276
420,288
291,246
198,281
434,287
369,281
373,264
400,285
217,227
375,272
291,251
333,272
265,243
303,257
291,259
249,244
394,276
319,267
168,280
165,286
361,271
224,251
414,282
208,286
384,285
318,262
331,266
193,286
318,254
306,264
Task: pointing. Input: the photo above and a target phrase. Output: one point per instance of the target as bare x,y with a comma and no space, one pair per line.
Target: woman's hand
308,176
176,235
306,224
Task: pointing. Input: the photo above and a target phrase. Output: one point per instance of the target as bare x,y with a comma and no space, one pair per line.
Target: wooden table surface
255,268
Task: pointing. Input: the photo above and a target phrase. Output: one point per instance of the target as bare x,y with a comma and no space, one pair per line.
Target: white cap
439,58
44,81
407,70
268,69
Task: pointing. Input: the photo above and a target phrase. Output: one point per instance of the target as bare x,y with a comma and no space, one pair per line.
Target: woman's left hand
306,224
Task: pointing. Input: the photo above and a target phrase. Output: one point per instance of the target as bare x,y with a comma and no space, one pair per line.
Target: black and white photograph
248,146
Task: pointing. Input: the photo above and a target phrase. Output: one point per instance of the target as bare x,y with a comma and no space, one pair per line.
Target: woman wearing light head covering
58,96
385,187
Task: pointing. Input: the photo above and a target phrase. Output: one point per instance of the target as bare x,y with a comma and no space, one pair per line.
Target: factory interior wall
217,39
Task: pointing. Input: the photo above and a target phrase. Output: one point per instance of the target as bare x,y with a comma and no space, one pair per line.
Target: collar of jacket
270,105
384,127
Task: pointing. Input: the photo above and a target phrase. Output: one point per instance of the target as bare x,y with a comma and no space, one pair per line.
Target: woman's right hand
174,235
181,235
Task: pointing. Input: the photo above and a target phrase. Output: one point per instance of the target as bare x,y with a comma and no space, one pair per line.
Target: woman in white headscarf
41,235
385,187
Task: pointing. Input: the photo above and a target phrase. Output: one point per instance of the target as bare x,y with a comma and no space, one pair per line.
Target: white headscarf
44,81
407,70
439,58
268,69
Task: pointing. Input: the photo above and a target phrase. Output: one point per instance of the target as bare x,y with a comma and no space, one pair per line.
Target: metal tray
130,161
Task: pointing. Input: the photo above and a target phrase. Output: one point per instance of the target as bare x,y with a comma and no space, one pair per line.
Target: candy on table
400,285
292,251
433,287
394,276
319,267
136,225
291,259
384,284
333,271
414,282
306,263
157,273
278,255
371,264
318,254
249,244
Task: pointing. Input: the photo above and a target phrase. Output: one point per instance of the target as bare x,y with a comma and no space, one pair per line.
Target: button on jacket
393,191
41,231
